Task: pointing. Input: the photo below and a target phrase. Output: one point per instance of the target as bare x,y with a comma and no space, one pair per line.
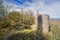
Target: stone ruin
41,22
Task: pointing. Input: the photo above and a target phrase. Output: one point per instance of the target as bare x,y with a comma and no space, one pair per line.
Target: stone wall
45,23
42,23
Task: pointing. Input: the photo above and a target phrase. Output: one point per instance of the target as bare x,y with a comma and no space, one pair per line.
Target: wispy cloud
50,7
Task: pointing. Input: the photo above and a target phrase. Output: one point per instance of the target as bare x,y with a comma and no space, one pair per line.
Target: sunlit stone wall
45,25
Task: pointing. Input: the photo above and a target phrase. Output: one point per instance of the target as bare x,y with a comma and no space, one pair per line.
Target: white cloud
53,9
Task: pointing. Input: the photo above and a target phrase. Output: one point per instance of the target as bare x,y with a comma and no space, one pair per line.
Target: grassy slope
55,29
53,23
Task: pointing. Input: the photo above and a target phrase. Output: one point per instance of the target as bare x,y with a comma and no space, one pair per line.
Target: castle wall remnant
45,23
41,22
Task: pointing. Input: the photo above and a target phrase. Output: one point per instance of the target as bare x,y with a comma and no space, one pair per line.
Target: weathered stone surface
41,22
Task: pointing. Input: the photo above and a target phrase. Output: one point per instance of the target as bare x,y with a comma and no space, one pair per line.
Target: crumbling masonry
41,22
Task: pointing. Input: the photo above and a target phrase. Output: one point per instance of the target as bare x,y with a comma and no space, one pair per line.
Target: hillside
55,29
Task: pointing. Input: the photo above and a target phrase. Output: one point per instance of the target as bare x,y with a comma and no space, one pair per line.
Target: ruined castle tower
41,22
45,25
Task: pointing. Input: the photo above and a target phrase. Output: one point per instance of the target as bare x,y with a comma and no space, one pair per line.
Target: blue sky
51,7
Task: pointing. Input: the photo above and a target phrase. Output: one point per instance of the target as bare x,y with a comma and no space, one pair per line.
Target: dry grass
55,30
24,31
